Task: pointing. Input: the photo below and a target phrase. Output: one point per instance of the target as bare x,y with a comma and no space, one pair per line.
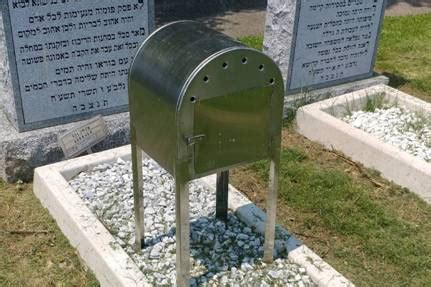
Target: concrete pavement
241,18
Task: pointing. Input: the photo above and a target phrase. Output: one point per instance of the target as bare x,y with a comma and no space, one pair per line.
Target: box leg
182,232
222,195
138,194
271,209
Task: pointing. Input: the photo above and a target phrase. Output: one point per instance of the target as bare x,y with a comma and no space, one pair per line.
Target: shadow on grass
395,80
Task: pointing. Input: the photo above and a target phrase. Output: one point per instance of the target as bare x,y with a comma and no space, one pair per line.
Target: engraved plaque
83,137
335,41
71,57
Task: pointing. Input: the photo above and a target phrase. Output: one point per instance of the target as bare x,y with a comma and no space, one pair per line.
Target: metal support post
182,231
222,195
138,194
271,209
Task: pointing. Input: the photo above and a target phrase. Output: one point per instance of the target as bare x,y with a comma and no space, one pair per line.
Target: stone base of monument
294,101
21,153
91,200
394,139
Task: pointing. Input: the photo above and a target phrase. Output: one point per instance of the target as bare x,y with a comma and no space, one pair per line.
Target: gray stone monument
62,62
324,47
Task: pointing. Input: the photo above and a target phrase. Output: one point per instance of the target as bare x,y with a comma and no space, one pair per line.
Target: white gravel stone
406,130
222,254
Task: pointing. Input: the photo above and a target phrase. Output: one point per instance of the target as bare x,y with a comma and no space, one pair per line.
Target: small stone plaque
70,58
83,137
335,41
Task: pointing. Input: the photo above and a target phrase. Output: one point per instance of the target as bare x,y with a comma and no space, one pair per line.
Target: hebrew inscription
335,40
73,56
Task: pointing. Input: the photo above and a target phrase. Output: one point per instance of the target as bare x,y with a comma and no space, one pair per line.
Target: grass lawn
373,232
33,251
405,54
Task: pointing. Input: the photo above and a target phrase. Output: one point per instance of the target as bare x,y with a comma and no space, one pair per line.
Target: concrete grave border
97,247
316,122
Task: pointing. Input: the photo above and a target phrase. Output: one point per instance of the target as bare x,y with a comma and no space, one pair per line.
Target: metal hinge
194,139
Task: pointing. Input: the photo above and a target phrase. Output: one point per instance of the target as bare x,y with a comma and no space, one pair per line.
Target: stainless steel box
202,103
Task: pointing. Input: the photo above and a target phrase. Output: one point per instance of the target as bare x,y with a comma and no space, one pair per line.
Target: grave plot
380,127
407,130
221,253
91,199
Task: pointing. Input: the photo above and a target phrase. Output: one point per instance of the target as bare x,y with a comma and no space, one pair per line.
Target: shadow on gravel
219,246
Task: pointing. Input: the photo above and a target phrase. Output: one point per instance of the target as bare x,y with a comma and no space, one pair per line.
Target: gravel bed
222,254
401,128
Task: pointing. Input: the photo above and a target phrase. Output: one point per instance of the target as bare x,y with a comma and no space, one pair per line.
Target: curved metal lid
169,55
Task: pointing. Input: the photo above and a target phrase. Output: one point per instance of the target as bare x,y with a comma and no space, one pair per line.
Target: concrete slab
407,7
97,247
244,18
320,122
295,101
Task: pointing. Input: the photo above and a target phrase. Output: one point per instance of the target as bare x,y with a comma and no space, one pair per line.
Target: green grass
404,53
33,250
255,42
374,102
374,244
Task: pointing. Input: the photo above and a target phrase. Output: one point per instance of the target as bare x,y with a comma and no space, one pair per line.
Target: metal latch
194,139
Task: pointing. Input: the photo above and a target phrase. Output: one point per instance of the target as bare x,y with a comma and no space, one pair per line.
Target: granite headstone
328,46
63,61
69,59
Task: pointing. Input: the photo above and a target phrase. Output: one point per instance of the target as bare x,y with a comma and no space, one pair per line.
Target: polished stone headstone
320,44
69,60
61,62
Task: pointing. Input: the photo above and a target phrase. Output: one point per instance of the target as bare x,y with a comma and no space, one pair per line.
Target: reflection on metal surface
202,103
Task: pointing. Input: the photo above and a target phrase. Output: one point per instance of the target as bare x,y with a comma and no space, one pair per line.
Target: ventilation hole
225,65
261,67
272,81
193,100
206,79
244,60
